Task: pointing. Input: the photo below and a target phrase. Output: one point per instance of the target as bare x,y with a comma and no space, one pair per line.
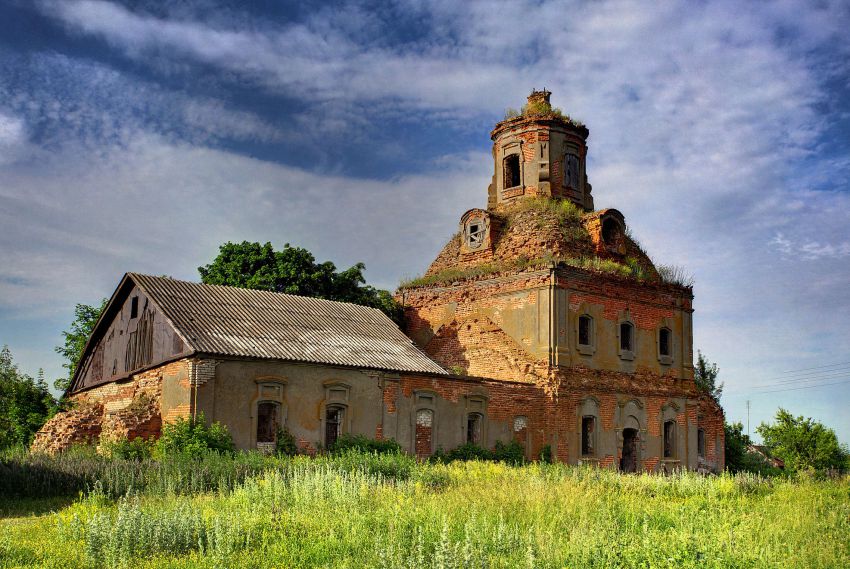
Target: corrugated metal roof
234,321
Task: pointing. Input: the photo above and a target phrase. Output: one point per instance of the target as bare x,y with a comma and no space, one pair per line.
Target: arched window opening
669,439
626,333
701,442
473,428
333,424
585,330
511,173
267,421
664,342
610,231
588,434
571,171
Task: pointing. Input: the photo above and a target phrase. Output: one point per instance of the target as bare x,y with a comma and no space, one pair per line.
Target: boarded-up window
701,442
669,439
585,324
424,432
571,171
511,166
626,330
588,428
473,428
267,422
664,342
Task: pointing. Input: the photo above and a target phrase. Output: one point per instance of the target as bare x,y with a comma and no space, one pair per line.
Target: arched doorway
629,458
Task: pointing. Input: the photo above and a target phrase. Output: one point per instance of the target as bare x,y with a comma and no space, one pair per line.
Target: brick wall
126,409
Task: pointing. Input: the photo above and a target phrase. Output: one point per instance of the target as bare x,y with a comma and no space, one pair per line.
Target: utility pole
748,417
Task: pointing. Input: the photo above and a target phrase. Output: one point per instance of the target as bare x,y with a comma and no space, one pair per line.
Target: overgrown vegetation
85,317
675,275
541,109
192,437
803,444
509,453
368,510
25,403
705,377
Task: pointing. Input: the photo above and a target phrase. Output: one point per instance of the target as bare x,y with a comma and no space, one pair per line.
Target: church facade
541,321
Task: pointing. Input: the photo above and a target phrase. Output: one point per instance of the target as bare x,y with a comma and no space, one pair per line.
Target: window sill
665,360
586,349
627,355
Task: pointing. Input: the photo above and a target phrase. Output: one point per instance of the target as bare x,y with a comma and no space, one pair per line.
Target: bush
546,454
285,444
510,453
191,436
364,444
136,449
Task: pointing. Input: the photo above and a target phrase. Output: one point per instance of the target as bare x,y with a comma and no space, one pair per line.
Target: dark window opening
629,458
512,171
267,422
584,331
669,436
588,426
333,425
473,428
626,337
571,173
664,342
134,307
700,442
610,231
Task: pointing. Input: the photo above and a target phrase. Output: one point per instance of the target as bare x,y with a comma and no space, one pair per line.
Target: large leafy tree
85,317
25,403
802,443
294,270
705,377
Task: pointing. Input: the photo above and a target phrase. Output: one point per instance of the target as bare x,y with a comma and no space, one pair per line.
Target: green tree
294,270
85,317
705,377
737,442
25,404
802,443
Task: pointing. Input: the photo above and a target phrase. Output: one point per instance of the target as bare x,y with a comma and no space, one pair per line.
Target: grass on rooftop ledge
631,269
541,110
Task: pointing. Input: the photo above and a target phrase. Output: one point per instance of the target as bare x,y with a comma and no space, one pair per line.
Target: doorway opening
629,459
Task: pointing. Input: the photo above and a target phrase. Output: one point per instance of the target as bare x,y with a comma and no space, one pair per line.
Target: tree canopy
85,317
294,270
25,403
705,377
802,443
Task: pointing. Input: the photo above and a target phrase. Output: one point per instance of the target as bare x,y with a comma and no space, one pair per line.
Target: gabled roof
230,321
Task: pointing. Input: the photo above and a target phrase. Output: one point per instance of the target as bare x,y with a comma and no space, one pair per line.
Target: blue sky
136,136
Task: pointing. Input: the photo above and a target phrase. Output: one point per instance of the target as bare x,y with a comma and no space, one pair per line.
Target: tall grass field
359,510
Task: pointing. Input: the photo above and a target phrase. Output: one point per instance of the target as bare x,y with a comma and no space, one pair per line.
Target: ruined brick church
541,321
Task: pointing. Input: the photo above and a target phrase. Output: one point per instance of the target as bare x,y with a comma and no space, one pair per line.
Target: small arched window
333,424
511,171
473,428
585,330
626,337
701,443
571,171
664,337
588,435
610,231
669,439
